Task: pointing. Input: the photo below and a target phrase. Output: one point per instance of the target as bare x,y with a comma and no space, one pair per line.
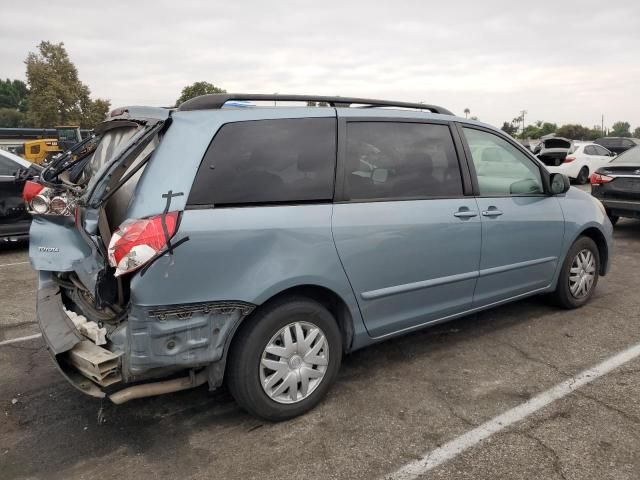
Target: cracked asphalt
392,402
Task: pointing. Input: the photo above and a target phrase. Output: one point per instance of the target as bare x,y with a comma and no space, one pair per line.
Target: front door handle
465,214
491,212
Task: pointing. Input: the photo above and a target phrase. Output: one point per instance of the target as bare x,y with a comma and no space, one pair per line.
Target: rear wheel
579,275
583,176
284,359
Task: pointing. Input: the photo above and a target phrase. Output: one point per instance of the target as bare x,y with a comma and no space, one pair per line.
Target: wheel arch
327,297
600,240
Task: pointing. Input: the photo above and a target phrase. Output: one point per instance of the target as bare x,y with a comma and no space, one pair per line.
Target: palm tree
466,112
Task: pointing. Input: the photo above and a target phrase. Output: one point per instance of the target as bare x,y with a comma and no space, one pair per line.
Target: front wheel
579,275
284,359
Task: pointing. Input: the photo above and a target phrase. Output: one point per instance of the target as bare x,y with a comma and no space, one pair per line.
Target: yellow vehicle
41,150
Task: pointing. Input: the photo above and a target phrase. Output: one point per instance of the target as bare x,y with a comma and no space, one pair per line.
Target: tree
11,118
531,131
574,132
196,89
546,128
13,103
13,95
620,129
636,132
466,112
509,128
56,94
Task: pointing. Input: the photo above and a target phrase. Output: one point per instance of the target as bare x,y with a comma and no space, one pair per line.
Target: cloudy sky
561,61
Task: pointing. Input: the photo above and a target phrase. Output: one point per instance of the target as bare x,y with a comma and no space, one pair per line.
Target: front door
522,226
408,238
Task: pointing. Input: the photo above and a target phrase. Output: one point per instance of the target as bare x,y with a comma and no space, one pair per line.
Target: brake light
599,179
136,242
569,159
30,190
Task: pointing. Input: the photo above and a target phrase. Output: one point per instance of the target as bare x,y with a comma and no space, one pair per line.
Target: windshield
630,157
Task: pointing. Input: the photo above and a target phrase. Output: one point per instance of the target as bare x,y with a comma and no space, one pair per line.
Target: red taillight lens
569,159
30,190
136,242
599,179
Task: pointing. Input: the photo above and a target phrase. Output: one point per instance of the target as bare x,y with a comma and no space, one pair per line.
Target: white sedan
585,159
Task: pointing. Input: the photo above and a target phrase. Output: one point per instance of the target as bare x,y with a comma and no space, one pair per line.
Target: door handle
465,214
492,212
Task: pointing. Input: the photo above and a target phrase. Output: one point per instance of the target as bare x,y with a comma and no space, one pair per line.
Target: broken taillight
45,201
30,190
136,242
599,179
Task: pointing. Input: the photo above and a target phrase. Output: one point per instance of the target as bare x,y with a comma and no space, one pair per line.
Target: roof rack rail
217,100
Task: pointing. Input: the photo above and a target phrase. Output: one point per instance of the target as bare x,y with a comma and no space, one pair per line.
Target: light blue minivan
257,245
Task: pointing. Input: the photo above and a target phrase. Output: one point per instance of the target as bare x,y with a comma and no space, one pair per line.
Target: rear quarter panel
248,254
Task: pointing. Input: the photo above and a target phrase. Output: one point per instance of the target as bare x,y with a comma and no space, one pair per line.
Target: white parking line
20,339
12,264
458,445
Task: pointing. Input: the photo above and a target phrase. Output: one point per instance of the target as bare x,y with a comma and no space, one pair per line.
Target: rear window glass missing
268,161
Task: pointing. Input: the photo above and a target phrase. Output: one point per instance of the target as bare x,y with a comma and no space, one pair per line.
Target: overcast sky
562,61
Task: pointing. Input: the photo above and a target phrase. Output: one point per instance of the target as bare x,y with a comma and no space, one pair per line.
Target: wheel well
328,299
600,241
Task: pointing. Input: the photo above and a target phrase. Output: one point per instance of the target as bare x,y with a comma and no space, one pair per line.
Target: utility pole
522,114
602,125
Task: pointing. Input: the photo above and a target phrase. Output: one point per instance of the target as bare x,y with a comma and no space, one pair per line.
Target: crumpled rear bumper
60,335
152,343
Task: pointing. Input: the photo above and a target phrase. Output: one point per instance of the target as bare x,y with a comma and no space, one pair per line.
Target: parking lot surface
392,403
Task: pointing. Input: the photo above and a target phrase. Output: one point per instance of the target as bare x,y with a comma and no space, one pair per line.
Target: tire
246,369
563,294
583,176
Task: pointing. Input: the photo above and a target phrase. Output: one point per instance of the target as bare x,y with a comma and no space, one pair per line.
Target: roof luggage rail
217,101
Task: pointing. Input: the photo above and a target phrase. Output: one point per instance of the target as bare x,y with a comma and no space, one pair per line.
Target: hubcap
582,274
294,362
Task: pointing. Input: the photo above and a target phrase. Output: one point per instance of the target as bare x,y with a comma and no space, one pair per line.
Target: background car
552,151
617,185
618,144
583,160
14,218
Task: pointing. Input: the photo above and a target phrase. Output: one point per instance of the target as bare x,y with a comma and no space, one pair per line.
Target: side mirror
559,183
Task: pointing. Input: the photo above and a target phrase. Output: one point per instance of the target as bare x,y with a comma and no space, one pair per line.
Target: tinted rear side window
398,160
268,161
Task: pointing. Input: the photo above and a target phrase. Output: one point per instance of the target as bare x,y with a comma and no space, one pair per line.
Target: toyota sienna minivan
257,245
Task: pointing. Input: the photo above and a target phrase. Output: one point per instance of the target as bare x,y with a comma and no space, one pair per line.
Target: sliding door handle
465,214
492,212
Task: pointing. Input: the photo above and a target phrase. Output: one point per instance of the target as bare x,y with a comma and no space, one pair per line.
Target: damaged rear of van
100,213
